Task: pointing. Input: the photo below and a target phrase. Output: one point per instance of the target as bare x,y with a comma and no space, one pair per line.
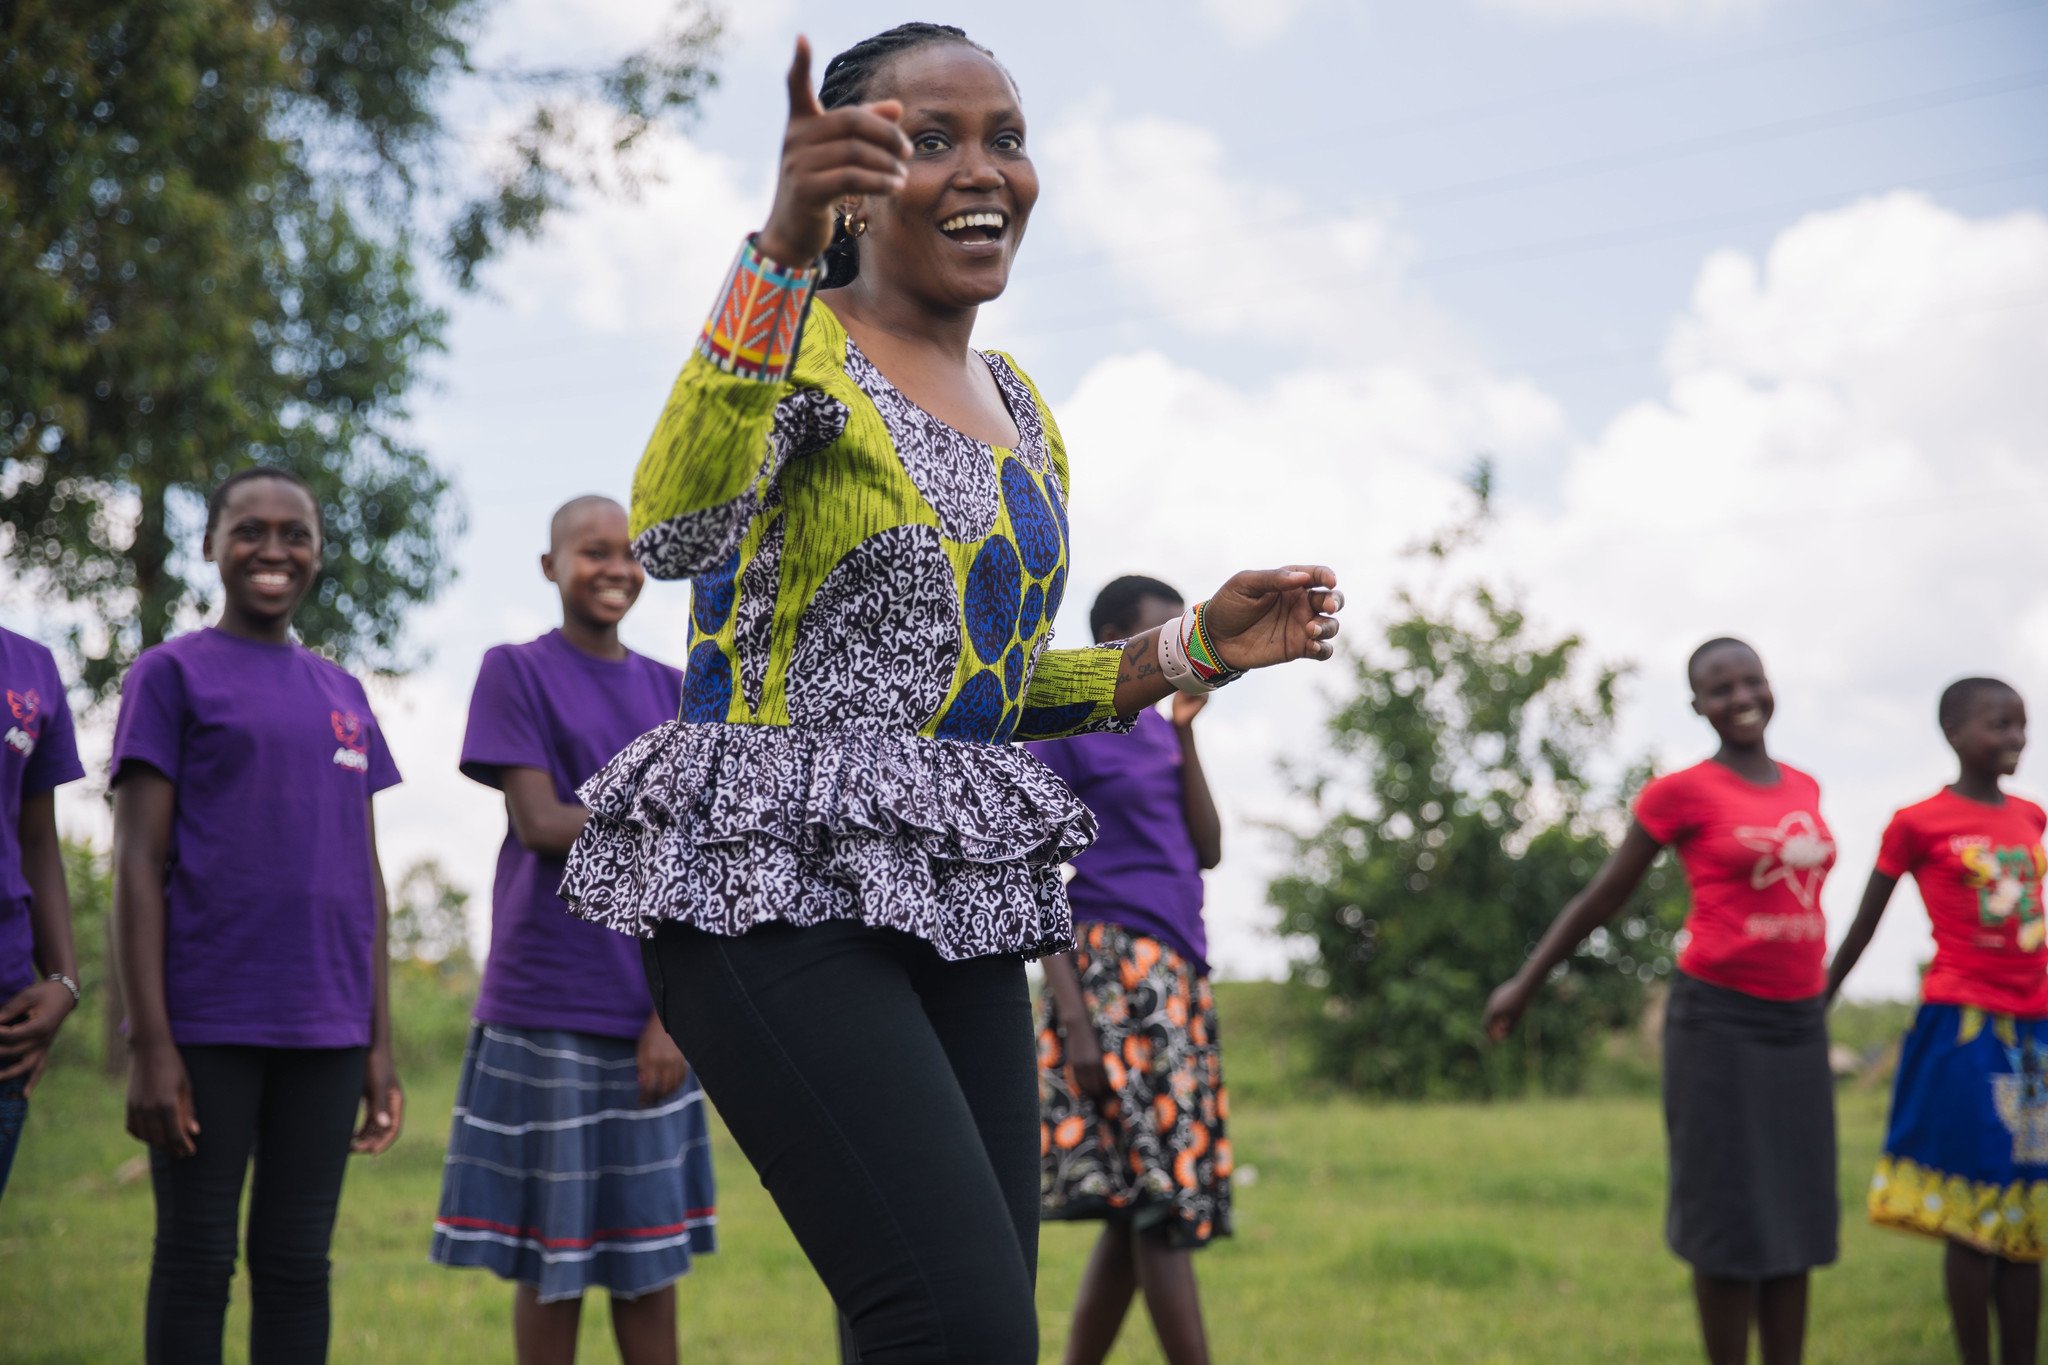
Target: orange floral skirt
1156,1151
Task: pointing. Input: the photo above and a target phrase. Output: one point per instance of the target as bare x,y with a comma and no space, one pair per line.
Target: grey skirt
1749,1117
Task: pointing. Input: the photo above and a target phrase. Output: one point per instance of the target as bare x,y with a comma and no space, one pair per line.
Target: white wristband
1173,660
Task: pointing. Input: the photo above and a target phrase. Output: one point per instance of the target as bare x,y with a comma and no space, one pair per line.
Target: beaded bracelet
752,332
1188,657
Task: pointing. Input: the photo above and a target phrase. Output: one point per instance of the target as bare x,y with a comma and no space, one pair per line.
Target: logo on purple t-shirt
27,709
355,745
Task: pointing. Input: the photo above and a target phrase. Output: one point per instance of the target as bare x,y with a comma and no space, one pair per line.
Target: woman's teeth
270,578
964,221
1749,716
612,596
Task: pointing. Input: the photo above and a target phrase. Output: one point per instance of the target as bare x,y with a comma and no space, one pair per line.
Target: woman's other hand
1264,617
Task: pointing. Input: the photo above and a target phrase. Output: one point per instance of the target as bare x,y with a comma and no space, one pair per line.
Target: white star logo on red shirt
1795,852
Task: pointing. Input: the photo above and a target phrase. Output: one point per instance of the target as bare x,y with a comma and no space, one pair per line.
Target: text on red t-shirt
1755,857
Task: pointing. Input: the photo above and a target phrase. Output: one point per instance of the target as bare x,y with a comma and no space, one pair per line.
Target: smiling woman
1749,1106
250,912
839,858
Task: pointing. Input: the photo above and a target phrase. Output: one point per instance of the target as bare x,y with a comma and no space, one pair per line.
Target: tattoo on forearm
1138,664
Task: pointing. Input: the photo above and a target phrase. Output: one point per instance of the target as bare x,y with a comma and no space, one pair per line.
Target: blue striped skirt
558,1178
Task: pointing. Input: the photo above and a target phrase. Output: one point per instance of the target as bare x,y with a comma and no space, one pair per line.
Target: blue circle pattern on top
1034,611
707,684
993,589
976,713
711,596
1008,599
1049,722
1039,535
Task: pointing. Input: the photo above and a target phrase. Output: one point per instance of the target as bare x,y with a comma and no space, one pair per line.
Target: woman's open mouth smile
980,233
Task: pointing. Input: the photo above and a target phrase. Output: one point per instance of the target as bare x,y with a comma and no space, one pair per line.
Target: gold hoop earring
857,226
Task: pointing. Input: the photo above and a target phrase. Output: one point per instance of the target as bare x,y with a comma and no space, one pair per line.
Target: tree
212,214
1459,814
429,920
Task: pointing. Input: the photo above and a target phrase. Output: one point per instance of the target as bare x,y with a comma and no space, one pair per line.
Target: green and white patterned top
874,596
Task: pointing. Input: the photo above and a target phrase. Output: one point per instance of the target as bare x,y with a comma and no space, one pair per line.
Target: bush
1458,818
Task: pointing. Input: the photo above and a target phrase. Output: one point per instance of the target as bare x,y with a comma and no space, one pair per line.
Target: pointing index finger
803,97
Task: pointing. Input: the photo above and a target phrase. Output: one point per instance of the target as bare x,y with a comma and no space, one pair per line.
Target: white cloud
600,32
1180,475
1202,250
645,262
1845,466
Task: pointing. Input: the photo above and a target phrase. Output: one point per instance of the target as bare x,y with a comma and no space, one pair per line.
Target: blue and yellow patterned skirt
1966,1154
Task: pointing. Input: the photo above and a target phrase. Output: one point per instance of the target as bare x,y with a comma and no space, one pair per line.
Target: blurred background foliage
222,229
1459,812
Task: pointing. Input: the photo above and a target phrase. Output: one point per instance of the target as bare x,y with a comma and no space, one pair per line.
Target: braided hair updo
847,78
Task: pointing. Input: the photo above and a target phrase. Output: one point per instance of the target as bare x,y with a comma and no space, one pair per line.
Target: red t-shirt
1755,858
1979,870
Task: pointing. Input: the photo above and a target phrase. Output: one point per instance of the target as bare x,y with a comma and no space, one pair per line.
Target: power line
1454,263
1515,253
1530,100
1715,142
1554,247
1663,75
1578,362
1536,177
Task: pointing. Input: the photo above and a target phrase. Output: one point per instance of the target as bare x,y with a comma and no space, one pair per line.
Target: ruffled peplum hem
726,827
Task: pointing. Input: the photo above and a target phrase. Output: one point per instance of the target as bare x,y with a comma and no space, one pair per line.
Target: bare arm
30,1020
1140,682
159,1096
1257,619
1198,807
1603,897
383,1097
1082,1049
42,862
541,822
1877,894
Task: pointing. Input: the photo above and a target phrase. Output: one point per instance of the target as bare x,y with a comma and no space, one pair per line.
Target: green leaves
210,217
1460,813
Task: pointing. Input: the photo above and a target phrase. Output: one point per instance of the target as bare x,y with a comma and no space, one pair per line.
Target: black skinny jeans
889,1101
295,1109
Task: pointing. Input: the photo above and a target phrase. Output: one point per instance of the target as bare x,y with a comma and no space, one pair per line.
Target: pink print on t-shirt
27,708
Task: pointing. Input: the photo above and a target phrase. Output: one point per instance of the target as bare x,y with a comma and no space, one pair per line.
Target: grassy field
1526,1232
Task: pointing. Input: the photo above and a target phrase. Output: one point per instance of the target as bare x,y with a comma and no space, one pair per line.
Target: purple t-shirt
548,705
1142,871
39,753
270,907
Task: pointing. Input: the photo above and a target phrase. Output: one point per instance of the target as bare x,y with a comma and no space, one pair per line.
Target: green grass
1525,1232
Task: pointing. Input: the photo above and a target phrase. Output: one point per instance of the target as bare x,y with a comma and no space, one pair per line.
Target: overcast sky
1747,298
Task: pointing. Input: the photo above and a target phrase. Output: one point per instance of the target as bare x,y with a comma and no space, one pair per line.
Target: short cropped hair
1116,606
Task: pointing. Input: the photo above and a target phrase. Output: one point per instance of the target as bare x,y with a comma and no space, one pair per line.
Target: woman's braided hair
847,78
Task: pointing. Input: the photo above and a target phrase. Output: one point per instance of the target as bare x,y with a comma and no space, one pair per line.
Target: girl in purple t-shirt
1130,1071
249,912
578,1157
38,973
